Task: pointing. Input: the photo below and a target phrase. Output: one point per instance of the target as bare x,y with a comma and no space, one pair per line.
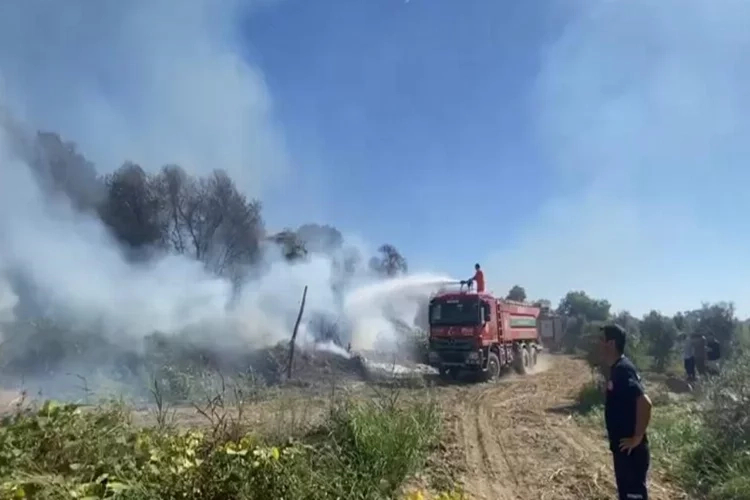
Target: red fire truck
480,333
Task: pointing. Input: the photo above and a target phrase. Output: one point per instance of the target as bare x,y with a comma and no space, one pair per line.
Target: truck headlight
473,356
433,357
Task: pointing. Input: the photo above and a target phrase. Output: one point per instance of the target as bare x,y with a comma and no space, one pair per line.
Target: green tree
585,315
389,263
543,304
132,209
635,348
210,220
517,293
717,320
320,238
292,248
629,322
578,303
660,334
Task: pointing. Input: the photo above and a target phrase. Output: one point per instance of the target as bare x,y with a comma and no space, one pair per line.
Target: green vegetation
363,450
653,339
590,398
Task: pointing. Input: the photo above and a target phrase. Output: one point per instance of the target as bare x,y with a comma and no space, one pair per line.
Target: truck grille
452,356
452,344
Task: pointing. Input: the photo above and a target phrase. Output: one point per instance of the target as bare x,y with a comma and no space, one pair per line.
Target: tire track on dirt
483,458
490,470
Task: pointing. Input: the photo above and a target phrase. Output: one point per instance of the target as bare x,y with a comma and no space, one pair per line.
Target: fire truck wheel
493,367
521,360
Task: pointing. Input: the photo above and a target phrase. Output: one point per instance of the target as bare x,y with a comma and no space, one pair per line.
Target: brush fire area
516,437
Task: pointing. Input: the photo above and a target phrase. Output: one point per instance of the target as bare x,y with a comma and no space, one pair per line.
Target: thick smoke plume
151,81
79,271
154,83
76,275
8,302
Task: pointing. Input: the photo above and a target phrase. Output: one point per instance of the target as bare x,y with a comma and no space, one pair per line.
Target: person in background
478,278
713,355
627,413
688,357
699,351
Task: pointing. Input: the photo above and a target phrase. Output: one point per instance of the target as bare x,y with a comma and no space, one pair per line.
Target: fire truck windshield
455,312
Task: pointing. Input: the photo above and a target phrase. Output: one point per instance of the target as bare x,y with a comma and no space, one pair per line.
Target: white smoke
156,82
8,301
83,275
372,308
81,272
78,269
151,81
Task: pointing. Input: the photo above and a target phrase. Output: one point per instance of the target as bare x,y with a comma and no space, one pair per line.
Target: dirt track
515,439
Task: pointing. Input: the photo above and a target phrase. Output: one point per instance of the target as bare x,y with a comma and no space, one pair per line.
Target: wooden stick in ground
294,335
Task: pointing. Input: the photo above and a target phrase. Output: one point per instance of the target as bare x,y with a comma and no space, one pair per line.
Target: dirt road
515,439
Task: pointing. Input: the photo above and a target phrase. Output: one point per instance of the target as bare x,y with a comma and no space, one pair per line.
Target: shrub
380,443
590,397
365,451
720,463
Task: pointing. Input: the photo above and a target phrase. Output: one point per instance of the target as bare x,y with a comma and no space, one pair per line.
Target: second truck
480,333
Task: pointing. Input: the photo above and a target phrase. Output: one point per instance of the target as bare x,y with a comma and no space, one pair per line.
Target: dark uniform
623,390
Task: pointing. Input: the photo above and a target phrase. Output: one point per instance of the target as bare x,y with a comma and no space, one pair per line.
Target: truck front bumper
448,359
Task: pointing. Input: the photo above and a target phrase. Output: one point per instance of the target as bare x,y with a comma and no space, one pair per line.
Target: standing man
627,413
688,358
478,278
713,355
699,349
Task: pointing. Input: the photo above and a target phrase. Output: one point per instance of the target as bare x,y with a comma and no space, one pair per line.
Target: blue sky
577,144
426,123
403,121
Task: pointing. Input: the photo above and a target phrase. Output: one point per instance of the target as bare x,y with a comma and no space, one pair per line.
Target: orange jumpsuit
479,279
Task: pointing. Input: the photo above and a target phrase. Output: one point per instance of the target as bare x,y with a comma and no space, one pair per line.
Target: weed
590,397
380,442
362,451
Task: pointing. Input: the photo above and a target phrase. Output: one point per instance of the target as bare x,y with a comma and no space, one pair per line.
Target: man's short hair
615,332
476,266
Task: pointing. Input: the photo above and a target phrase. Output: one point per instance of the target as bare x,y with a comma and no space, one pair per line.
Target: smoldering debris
45,362
100,303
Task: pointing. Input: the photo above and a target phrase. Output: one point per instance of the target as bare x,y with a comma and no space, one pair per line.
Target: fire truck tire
533,356
526,355
521,361
493,367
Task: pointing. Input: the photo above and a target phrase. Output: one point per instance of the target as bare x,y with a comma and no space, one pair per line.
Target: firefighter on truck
478,278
